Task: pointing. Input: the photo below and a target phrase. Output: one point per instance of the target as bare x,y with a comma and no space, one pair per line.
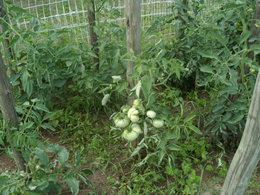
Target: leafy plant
49,172
142,183
35,114
211,42
161,148
51,65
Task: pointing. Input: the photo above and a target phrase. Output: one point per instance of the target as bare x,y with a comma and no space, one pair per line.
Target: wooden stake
133,34
8,109
93,38
6,44
248,153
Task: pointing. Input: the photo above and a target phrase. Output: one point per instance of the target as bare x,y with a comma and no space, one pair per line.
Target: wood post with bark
8,110
248,153
255,31
133,34
6,43
93,38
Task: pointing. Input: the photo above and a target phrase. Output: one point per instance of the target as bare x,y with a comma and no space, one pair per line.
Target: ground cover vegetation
192,96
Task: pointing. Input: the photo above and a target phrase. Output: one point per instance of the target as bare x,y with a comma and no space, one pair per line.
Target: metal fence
71,14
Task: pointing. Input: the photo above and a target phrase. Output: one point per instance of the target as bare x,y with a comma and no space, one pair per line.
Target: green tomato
136,128
151,114
249,10
158,123
132,111
122,123
135,112
125,108
130,135
134,118
137,102
252,70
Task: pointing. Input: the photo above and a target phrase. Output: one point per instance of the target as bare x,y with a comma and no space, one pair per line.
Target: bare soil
6,163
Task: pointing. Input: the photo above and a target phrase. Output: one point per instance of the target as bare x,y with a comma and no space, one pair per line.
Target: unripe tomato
158,123
151,114
136,128
130,135
137,102
132,111
252,70
122,123
134,118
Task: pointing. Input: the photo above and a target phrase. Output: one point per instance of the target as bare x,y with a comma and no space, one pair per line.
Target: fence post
93,38
133,34
8,110
248,153
6,44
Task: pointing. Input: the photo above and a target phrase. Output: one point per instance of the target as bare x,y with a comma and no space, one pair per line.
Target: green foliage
177,174
254,187
49,172
35,114
198,80
48,65
228,116
175,149
85,132
142,183
48,166
212,45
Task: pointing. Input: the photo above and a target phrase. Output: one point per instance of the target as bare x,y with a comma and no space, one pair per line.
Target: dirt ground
6,163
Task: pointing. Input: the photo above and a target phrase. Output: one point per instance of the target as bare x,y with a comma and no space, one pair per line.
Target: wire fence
71,14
